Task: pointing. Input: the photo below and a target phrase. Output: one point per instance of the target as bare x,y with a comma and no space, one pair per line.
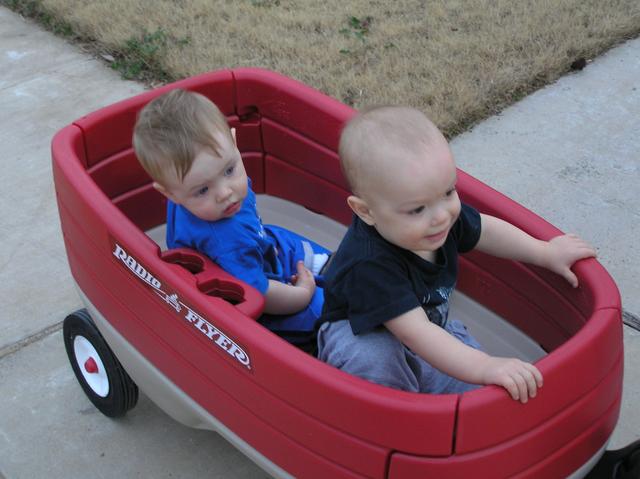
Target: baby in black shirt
388,285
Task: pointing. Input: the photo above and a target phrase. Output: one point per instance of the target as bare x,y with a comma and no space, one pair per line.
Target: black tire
104,380
622,463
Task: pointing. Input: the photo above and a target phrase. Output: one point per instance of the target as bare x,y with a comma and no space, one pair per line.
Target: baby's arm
502,239
282,298
451,356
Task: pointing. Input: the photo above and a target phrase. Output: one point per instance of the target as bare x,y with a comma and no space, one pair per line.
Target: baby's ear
233,135
162,189
360,207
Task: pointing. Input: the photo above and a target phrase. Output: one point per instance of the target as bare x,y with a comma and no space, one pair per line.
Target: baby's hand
304,279
520,379
563,251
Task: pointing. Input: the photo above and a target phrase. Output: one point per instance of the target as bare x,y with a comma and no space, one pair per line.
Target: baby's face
215,186
417,205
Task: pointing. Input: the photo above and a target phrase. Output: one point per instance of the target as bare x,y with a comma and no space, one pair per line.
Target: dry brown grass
457,60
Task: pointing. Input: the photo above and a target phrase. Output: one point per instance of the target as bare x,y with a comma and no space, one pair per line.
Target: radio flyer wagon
173,324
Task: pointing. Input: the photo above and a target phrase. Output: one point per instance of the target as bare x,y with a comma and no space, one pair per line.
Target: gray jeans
378,356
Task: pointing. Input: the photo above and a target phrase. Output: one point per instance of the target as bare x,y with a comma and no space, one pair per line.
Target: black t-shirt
370,280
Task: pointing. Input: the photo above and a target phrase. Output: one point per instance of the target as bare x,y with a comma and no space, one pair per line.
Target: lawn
458,61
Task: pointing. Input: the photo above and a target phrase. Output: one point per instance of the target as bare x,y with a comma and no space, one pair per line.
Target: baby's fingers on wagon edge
529,380
512,388
570,276
536,374
520,379
533,379
525,386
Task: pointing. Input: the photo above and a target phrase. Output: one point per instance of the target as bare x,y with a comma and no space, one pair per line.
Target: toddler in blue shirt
184,143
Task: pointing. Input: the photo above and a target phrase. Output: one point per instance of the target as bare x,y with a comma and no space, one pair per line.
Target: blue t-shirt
240,244
253,253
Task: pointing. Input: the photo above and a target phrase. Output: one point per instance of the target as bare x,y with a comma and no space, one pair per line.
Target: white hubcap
91,366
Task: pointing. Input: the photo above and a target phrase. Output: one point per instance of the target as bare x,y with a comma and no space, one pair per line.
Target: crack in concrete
18,345
631,320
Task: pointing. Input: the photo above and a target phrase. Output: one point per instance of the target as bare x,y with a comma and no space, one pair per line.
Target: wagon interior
290,155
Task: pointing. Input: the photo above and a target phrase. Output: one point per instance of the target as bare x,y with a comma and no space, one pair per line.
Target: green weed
358,28
141,56
265,3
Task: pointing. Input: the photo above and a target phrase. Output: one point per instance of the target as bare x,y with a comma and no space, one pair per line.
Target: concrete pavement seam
631,320
18,345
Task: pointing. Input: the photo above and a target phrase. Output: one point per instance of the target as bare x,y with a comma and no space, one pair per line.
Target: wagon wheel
102,377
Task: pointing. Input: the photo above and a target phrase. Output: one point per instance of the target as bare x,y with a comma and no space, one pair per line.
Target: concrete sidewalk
569,152
48,428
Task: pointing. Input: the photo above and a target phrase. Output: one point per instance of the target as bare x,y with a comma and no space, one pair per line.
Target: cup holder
218,288
187,259
213,281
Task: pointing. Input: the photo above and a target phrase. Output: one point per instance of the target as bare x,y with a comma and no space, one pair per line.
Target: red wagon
174,324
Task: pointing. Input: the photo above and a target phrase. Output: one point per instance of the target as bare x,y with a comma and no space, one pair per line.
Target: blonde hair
378,137
172,128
